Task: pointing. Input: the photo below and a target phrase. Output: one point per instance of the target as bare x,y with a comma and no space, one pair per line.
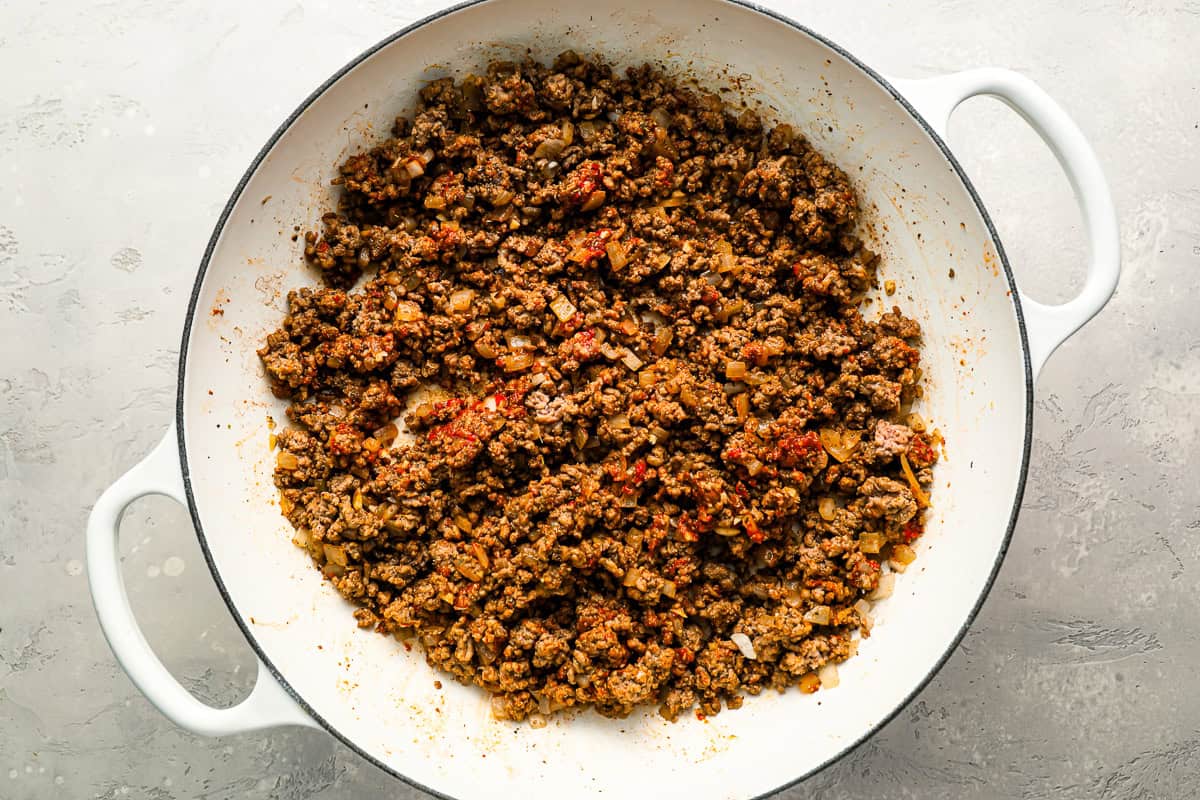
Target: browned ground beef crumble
661,420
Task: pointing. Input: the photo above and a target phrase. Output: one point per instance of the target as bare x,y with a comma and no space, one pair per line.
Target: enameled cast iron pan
984,345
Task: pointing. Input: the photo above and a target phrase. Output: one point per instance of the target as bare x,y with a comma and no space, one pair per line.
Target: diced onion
286,460
515,362
918,494
663,146
828,675
727,530
728,310
662,340
499,707
562,308
818,615
871,542
840,444
916,422
619,422
616,254
744,644
735,370
595,200
661,117
469,569
461,300
335,554
887,584
675,200
726,261
903,554
827,508
407,311
809,683
568,132
741,404
302,538
486,349
538,721
753,466
631,360
549,148
518,342
414,167
631,576
863,608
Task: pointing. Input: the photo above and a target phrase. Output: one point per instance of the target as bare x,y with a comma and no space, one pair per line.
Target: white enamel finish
267,706
381,697
1047,326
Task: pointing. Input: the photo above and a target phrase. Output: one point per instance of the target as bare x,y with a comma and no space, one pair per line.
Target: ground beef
604,398
892,439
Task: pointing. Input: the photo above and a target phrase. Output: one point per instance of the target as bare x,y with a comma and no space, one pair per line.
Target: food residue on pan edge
670,460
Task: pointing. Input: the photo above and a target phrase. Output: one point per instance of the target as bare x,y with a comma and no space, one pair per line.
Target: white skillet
984,344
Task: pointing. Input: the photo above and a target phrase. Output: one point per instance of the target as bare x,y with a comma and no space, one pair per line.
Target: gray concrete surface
125,124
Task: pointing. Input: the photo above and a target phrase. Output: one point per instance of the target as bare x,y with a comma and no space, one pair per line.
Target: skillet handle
268,705
1048,326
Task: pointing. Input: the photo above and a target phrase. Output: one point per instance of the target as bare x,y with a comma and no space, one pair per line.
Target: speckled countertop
125,124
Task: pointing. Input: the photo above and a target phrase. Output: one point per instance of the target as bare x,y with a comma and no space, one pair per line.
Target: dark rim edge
333,79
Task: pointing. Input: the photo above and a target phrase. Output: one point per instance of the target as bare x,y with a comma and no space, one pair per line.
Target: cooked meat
892,439
604,398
